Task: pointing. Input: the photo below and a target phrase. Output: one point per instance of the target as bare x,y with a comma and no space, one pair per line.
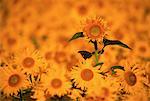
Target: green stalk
96,56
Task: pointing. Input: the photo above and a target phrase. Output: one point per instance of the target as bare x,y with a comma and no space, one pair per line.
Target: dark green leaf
117,67
114,42
85,54
77,35
99,64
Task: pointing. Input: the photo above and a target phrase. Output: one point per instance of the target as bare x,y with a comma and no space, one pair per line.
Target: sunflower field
74,50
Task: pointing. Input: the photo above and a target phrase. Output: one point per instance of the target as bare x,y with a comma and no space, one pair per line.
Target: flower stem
96,52
96,56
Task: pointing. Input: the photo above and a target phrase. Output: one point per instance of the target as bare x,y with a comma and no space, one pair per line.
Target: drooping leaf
85,54
114,42
117,67
77,35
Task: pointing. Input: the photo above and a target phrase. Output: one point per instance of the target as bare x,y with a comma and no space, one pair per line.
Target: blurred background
41,23
47,25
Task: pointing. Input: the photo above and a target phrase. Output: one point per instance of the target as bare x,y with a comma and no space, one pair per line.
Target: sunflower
2,51
39,93
30,61
95,29
12,80
10,42
131,78
85,76
60,56
55,81
82,9
75,94
146,76
140,96
73,60
142,49
147,72
123,34
106,91
47,52
13,42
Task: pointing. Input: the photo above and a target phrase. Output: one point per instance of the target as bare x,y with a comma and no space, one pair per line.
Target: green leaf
114,42
77,35
117,67
99,64
85,54
113,72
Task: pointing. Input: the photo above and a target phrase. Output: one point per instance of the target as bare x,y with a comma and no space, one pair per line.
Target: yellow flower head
140,96
95,28
47,52
147,71
86,76
146,74
30,61
12,80
141,49
39,93
106,91
75,94
55,81
130,79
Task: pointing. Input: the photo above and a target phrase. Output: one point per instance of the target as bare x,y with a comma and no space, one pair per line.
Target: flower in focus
55,81
39,93
30,61
75,94
95,29
13,80
86,76
131,78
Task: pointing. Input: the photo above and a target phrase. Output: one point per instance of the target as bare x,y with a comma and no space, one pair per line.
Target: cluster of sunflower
39,62
53,73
